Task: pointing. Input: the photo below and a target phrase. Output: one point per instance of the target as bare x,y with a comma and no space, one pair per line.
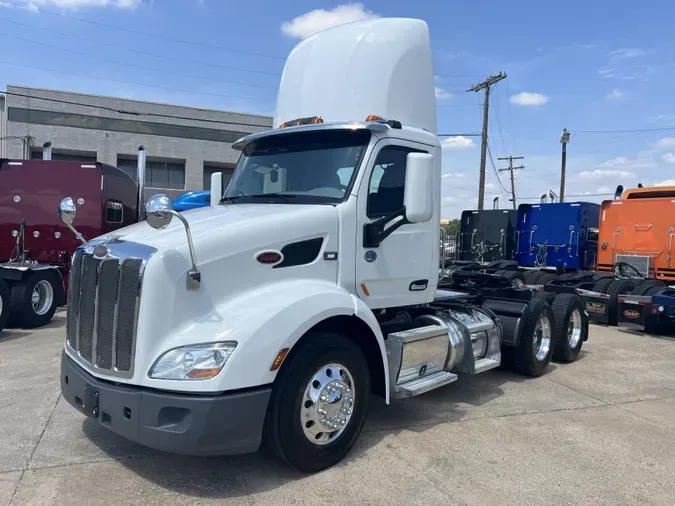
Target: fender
263,321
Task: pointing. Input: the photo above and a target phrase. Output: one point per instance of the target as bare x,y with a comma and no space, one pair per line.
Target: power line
499,125
458,135
659,129
511,170
142,67
147,34
134,113
135,83
138,51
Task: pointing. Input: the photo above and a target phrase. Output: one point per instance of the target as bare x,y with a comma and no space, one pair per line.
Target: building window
213,167
65,156
158,174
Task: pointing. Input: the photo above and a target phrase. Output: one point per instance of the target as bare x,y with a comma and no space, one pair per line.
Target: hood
235,227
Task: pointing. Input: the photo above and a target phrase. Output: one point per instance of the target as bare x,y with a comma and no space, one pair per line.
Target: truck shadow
237,476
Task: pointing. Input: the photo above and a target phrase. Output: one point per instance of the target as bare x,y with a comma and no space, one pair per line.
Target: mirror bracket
374,233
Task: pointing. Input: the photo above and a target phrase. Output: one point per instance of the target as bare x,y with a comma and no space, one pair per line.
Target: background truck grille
640,263
102,309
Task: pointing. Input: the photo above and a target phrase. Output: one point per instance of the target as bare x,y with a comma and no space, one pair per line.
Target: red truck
35,246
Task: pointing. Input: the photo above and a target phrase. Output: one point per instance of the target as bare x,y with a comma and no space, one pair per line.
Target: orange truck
635,249
638,230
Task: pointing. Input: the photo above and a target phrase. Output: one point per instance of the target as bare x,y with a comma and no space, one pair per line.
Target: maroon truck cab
105,198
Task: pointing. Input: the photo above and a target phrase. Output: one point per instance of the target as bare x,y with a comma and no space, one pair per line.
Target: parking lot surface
597,431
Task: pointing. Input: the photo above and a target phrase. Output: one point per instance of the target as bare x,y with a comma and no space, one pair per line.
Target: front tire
35,298
571,327
319,402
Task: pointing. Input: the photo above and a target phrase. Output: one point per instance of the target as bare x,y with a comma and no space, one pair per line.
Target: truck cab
308,284
36,249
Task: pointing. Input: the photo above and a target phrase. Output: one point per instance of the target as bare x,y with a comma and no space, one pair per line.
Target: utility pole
485,85
564,139
511,168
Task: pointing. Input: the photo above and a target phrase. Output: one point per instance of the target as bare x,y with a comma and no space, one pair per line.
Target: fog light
661,309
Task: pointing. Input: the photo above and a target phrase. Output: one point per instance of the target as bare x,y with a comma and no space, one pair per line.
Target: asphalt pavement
597,431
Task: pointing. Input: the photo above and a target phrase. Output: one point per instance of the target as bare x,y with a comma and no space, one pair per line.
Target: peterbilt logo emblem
631,313
100,251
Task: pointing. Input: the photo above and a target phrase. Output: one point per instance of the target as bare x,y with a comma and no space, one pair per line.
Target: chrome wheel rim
541,342
42,297
327,404
574,329
517,283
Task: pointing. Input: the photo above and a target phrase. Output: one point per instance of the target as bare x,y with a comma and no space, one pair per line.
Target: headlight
195,362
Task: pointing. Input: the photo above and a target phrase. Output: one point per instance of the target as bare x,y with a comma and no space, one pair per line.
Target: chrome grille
103,301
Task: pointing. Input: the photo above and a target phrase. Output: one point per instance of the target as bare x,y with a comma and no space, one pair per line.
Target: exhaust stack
140,179
542,200
618,192
47,151
495,203
552,196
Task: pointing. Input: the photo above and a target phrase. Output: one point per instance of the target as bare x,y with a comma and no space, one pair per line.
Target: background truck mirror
419,180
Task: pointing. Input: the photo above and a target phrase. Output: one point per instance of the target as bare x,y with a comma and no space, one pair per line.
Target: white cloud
317,20
622,54
490,186
667,182
665,142
606,73
600,173
458,142
441,94
625,163
614,94
528,99
75,4
669,158
452,175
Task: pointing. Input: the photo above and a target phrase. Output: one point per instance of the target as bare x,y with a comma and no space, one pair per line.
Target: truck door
396,272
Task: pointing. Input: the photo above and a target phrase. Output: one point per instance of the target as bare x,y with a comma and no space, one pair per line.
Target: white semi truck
309,284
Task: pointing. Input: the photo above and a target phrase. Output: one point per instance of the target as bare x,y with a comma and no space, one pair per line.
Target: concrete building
184,145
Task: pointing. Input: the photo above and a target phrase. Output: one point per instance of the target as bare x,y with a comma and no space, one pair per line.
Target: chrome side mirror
67,216
158,211
67,211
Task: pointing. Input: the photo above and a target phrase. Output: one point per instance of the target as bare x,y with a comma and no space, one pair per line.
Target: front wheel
319,402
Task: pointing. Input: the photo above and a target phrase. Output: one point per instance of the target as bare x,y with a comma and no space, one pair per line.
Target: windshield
298,168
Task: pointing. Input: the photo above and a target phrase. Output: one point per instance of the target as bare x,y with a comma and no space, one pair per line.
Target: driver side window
387,182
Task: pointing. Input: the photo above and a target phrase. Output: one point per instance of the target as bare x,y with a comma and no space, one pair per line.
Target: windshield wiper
279,196
228,199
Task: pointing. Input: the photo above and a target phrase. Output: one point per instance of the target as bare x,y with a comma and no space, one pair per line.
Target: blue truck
563,235
192,200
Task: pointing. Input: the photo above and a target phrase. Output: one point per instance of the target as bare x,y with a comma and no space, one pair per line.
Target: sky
604,70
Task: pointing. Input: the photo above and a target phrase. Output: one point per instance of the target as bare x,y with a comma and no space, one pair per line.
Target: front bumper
189,424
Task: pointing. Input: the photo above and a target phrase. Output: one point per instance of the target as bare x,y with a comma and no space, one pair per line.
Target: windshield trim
336,201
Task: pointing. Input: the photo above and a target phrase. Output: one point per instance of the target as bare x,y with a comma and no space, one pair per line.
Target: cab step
425,383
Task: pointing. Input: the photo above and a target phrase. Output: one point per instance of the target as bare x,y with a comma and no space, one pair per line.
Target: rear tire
514,277
5,304
35,298
571,327
535,347
544,277
529,275
567,275
617,287
292,414
602,285
644,286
